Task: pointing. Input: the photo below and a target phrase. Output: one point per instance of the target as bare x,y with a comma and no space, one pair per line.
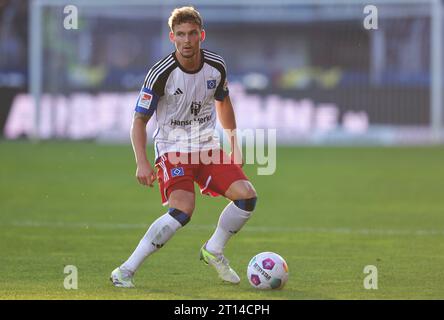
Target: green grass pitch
328,211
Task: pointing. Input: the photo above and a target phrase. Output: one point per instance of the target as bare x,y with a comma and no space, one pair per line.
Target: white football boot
121,279
221,264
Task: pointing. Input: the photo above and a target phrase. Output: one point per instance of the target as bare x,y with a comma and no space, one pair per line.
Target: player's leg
181,204
234,216
231,220
230,181
183,199
178,192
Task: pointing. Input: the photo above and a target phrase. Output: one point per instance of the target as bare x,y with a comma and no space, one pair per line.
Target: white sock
230,222
157,235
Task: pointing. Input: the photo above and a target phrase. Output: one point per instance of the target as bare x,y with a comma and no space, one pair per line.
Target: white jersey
184,103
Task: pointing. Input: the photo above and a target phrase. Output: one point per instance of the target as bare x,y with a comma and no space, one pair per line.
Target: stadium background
359,124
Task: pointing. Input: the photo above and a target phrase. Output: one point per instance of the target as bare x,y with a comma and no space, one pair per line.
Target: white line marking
100,225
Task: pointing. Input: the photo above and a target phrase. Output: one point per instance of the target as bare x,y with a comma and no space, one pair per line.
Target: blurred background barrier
312,70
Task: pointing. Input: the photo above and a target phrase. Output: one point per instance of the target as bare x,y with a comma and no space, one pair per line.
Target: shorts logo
177,172
211,84
145,100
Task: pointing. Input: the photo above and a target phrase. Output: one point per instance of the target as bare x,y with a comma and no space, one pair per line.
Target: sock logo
157,245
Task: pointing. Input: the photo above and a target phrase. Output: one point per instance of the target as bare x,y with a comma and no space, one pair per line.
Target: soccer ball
267,270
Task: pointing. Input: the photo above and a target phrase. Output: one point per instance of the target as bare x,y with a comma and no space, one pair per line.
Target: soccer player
186,90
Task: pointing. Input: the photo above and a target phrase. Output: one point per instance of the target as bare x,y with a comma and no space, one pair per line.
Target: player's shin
232,219
155,238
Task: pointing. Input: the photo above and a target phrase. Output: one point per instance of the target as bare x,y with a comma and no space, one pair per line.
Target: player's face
187,37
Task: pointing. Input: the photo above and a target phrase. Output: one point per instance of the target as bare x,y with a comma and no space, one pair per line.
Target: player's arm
227,119
145,107
144,173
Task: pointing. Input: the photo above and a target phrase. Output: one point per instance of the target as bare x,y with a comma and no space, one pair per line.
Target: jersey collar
187,71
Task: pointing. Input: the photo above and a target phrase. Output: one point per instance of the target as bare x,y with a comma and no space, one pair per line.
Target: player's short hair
183,15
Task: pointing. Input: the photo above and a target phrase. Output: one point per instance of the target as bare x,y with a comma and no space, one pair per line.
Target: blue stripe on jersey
147,102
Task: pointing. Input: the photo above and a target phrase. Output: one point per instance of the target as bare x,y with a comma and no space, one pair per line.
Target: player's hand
236,157
145,174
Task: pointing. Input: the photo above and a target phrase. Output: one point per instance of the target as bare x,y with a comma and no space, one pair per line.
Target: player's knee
248,192
184,206
182,200
182,217
246,204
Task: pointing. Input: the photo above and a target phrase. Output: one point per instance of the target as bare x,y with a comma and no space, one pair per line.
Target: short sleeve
217,62
154,86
